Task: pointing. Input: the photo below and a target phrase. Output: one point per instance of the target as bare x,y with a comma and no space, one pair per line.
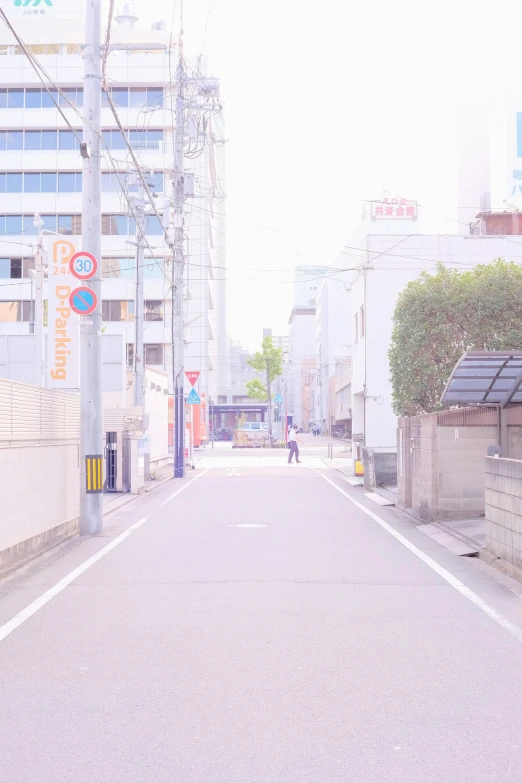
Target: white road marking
180,490
459,586
20,618
247,525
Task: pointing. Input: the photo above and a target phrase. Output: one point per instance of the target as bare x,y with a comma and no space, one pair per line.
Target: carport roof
485,378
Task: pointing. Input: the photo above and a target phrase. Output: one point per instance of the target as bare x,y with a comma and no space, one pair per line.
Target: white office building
333,340
41,171
301,370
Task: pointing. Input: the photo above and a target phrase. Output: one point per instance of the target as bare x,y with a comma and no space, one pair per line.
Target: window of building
153,353
153,226
117,310
356,327
16,268
41,182
153,310
49,99
222,399
135,97
72,224
362,321
14,140
239,398
117,268
15,312
67,140
15,98
130,354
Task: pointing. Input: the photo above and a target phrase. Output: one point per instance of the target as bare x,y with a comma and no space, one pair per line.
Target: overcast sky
328,104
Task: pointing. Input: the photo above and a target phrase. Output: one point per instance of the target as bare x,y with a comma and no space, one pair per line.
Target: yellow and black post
93,473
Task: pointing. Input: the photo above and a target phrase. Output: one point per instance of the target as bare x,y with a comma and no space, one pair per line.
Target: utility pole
177,273
91,404
38,303
269,393
139,305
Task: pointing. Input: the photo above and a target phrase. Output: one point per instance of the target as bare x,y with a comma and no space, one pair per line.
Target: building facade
41,172
389,264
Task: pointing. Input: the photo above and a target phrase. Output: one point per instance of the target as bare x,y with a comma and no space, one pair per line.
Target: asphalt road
259,627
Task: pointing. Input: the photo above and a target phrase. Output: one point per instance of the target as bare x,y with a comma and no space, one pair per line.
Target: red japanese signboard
192,377
394,209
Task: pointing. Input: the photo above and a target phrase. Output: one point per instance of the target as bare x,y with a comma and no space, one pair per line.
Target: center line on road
20,618
452,580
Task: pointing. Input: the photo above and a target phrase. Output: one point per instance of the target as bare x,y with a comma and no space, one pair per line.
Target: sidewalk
113,500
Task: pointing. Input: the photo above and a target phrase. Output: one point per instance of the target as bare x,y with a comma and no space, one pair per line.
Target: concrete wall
39,498
504,509
440,462
39,469
380,467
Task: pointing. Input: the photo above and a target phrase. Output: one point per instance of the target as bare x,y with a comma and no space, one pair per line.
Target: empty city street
258,626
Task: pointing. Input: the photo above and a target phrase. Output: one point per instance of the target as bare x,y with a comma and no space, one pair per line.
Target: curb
128,498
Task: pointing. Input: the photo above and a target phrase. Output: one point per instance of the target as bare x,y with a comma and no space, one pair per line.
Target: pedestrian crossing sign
193,398
278,398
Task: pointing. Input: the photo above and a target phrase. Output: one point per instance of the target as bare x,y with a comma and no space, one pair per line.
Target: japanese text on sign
394,209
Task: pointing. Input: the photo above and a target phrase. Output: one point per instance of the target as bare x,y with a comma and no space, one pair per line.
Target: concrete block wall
503,478
424,466
39,498
441,473
461,453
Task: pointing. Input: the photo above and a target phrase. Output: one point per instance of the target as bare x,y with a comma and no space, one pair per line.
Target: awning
485,378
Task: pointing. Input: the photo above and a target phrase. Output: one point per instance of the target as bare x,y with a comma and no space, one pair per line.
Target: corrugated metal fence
31,414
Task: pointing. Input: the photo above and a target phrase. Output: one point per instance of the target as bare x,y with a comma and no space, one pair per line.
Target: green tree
256,389
438,317
269,361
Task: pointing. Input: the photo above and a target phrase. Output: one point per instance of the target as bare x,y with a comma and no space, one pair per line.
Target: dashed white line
452,580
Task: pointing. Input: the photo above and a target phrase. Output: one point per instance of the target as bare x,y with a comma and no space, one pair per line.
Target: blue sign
278,398
193,398
83,301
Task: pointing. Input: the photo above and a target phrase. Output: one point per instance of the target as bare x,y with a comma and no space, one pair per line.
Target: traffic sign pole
91,399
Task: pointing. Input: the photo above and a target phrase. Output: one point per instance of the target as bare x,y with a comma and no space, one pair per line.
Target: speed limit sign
83,265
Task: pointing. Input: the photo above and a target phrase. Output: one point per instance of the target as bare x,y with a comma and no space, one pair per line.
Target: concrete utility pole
269,393
91,404
139,304
178,346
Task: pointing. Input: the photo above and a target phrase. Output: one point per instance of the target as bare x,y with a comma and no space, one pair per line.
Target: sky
327,105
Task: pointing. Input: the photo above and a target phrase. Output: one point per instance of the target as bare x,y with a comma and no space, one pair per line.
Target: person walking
292,442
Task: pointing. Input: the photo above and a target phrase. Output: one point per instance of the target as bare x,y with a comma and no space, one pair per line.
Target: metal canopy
485,378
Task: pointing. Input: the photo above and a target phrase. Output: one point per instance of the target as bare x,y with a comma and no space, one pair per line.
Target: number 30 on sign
83,265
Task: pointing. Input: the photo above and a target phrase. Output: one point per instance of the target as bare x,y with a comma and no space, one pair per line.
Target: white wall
39,490
39,466
378,289
302,353
157,406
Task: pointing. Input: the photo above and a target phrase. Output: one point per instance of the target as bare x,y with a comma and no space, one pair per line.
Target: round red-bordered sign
83,301
83,265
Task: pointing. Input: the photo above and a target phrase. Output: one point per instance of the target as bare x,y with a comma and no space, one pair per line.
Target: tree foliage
439,317
256,390
268,359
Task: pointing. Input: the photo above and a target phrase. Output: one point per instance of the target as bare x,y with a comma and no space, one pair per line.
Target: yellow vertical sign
93,473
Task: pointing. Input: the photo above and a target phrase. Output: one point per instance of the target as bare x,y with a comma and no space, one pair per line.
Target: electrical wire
34,64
